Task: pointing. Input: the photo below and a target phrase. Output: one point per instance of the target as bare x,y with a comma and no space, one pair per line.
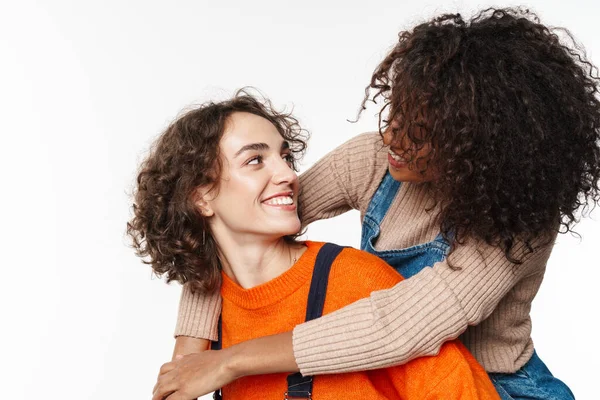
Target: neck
250,262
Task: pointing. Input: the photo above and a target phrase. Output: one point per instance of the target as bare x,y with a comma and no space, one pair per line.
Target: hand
193,375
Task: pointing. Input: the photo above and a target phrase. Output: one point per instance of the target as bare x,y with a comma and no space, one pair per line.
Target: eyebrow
260,147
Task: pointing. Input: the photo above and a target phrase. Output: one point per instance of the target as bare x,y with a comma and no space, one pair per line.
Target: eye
289,158
255,160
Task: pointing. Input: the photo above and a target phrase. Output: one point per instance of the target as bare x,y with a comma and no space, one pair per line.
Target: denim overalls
533,380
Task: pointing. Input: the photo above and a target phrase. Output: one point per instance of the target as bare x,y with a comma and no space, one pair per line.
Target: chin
282,228
406,175
292,228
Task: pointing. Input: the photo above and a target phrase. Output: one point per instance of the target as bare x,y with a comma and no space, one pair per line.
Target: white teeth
396,156
280,201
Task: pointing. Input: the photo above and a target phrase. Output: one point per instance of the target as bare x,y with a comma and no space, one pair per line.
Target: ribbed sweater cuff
198,315
383,330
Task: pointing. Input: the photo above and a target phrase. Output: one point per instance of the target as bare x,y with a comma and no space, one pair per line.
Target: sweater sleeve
198,314
413,318
452,374
340,180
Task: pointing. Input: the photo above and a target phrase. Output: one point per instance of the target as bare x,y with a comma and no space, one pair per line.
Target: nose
387,136
283,173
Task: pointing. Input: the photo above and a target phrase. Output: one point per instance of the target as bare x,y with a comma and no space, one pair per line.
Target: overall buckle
299,395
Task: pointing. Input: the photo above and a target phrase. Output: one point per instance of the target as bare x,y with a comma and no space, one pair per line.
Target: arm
392,326
452,374
198,315
185,345
338,182
198,374
413,318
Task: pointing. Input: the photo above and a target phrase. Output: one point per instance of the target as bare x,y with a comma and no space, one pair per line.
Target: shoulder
360,164
354,259
355,274
366,145
355,160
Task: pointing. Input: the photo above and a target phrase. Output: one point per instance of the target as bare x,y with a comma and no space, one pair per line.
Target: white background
85,87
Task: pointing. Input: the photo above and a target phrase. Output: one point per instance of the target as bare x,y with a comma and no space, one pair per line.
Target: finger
161,395
166,368
176,396
165,398
179,356
155,388
163,389
163,381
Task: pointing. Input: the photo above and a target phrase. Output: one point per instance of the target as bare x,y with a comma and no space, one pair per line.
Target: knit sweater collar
276,289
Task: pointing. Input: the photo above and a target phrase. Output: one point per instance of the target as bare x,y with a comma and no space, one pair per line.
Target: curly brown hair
167,229
512,115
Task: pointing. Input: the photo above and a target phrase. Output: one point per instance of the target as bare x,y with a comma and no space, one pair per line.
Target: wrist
234,364
265,355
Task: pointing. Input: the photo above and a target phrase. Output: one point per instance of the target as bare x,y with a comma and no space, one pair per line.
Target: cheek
242,190
387,136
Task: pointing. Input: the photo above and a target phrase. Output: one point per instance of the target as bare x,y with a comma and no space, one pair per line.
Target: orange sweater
280,304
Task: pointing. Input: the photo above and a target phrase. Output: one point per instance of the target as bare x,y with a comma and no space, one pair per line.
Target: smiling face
258,189
405,163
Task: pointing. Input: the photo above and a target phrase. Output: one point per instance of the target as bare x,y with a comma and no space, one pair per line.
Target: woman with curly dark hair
216,205
488,147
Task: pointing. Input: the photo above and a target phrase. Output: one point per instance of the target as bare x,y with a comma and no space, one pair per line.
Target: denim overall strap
383,198
378,207
300,387
217,345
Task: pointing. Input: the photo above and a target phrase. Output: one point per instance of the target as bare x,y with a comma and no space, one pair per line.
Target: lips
395,160
282,200
280,194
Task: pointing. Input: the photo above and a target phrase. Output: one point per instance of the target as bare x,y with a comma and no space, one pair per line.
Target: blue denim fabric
534,380
407,261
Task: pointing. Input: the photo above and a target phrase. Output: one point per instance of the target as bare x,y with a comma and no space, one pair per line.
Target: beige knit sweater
486,302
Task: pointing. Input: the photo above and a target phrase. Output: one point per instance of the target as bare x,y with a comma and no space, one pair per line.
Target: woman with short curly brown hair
488,146
167,229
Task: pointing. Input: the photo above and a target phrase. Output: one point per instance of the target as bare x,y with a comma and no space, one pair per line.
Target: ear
201,198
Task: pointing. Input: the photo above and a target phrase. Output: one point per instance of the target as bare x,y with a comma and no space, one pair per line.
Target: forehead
243,128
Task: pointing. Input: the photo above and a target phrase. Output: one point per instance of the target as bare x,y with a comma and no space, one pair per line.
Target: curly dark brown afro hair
167,229
513,116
